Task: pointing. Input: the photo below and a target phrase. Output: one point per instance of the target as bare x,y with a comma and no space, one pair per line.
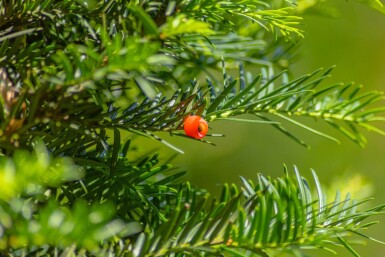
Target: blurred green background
354,42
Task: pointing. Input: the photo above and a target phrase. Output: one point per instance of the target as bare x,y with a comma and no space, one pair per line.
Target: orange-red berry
195,126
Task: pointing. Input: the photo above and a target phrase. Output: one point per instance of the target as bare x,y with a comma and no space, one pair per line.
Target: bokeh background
354,42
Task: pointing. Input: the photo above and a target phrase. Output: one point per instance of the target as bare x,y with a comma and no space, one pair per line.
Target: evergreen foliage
76,74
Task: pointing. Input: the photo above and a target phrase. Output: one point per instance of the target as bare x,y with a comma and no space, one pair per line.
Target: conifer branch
75,121
274,215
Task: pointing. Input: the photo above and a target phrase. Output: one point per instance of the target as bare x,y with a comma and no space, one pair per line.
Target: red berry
195,126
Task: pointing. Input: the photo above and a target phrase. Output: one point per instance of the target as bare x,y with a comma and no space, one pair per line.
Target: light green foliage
183,25
29,214
57,226
31,174
78,76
